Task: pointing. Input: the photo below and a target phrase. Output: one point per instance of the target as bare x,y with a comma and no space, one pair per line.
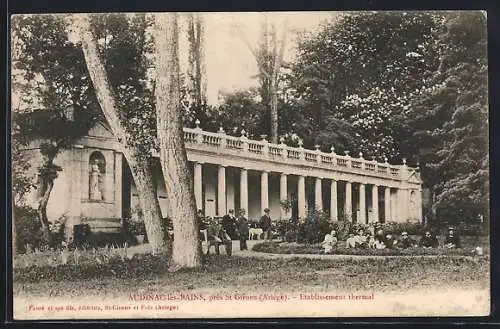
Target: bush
293,248
28,228
141,265
413,228
314,228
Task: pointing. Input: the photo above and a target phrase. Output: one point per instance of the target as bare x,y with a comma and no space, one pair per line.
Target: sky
229,62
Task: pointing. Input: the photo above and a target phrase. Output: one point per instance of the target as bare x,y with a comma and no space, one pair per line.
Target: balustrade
263,148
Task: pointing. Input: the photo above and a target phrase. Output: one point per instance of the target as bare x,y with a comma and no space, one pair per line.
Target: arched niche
97,175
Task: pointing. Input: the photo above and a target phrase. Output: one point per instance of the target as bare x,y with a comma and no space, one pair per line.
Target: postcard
250,165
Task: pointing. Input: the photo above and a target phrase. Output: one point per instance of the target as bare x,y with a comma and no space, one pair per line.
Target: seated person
379,244
371,229
351,241
371,241
428,241
361,239
379,232
213,234
329,242
389,240
405,242
452,240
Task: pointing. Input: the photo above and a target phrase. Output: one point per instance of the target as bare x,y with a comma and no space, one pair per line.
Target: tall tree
269,58
196,60
186,250
447,123
49,75
361,69
137,157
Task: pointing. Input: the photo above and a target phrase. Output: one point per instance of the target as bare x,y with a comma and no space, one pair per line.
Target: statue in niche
413,204
95,180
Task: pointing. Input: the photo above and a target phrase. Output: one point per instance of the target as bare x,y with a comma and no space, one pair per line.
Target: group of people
376,238
231,227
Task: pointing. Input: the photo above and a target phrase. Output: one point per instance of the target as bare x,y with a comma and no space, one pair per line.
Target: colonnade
395,202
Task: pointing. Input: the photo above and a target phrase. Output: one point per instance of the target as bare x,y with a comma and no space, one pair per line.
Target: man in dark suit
428,241
243,229
452,240
229,224
265,225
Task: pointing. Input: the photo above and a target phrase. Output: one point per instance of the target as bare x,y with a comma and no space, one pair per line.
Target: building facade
229,172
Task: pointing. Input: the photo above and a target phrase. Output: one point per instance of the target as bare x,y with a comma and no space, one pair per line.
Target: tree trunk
42,210
173,157
148,200
274,113
141,171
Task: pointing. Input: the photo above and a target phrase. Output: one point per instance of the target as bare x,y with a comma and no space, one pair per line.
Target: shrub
140,265
314,227
28,228
413,228
293,248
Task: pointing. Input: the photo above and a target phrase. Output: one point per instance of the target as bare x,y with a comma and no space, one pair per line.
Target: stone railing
196,138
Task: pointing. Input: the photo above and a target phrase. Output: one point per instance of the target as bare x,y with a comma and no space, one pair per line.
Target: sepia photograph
189,165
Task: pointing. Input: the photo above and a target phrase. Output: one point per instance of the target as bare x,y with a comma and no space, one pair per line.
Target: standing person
452,240
243,229
200,217
229,224
265,225
226,240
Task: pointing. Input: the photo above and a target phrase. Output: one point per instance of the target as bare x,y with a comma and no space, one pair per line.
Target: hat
266,210
404,233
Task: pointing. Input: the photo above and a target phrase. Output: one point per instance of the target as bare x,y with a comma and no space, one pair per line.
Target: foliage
145,265
29,234
361,69
314,227
22,182
294,248
28,228
447,128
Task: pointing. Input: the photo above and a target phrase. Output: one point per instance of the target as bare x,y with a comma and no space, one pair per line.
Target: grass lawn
223,274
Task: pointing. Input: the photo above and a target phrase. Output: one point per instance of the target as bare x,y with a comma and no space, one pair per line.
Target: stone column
334,213
198,184
221,191
283,194
362,204
301,194
402,205
375,203
348,201
420,210
394,205
318,195
264,191
387,203
244,190
75,180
